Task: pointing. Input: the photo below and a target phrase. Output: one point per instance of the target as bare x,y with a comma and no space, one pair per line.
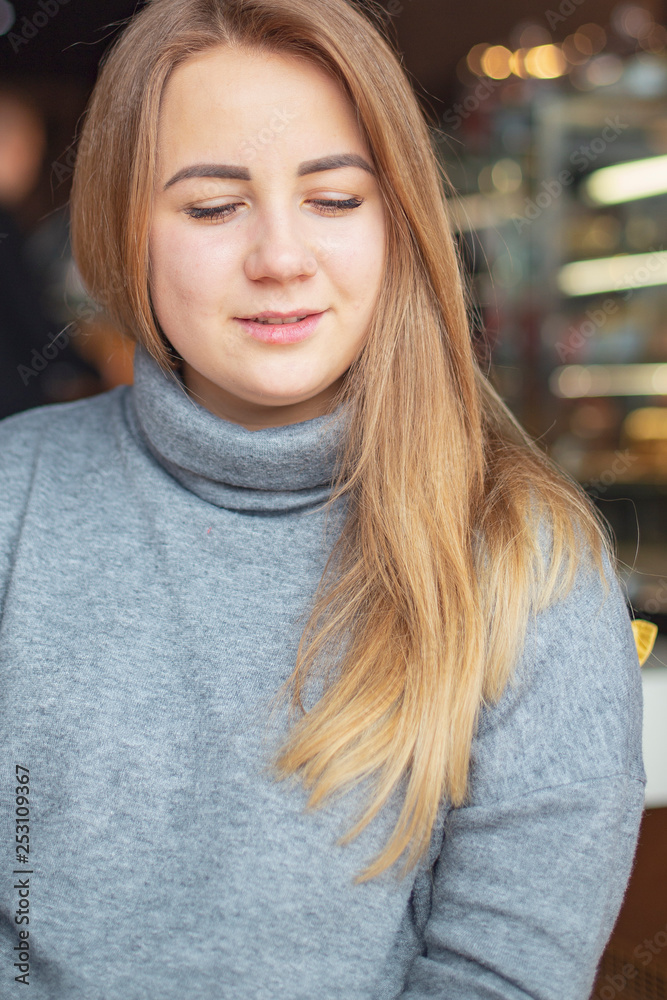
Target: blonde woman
317,677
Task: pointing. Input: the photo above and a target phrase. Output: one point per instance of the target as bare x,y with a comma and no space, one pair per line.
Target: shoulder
573,710
55,441
56,426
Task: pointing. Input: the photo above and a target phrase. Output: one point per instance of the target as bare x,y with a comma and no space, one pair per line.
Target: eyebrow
232,172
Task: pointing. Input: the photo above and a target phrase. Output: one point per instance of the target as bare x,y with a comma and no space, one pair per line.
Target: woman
310,498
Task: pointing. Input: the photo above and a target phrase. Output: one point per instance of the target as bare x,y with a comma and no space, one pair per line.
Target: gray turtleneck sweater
156,564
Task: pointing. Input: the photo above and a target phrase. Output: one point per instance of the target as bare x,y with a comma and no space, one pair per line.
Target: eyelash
328,206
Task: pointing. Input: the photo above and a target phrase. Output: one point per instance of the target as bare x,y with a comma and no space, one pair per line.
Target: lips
279,322
281,318
281,328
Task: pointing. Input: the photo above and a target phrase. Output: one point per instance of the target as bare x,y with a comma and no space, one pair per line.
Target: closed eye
332,206
328,206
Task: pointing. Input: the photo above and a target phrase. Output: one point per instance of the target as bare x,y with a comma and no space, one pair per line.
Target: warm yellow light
496,62
577,381
649,423
609,274
474,58
545,62
628,181
518,63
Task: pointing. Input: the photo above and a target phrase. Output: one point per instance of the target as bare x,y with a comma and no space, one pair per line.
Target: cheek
186,268
360,267
355,263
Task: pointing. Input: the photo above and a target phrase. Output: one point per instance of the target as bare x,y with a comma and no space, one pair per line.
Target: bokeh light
596,35
604,70
495,62
474,58
506,176
518,63
7,17
574,49
648,423
546,62
633,21
655,40
534,35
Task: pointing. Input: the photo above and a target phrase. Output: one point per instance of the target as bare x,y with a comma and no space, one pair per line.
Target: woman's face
265,203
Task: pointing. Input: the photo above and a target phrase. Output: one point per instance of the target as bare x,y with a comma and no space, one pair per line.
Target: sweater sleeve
531,874
526,893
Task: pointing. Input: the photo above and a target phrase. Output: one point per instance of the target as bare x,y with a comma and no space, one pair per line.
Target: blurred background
550,118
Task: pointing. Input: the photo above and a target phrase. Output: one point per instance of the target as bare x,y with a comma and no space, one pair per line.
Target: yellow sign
645,634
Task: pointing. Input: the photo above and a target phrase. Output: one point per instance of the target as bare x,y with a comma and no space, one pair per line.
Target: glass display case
561,216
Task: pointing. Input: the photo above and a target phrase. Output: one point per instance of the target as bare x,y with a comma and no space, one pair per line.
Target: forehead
231,95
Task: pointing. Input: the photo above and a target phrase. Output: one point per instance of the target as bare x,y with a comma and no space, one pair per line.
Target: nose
280,251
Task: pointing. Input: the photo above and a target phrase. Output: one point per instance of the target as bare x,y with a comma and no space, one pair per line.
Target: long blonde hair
441,561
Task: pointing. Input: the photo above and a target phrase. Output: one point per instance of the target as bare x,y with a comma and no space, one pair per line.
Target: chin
273,400
282,394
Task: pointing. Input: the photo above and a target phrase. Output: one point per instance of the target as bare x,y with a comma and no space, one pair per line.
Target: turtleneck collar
273,470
